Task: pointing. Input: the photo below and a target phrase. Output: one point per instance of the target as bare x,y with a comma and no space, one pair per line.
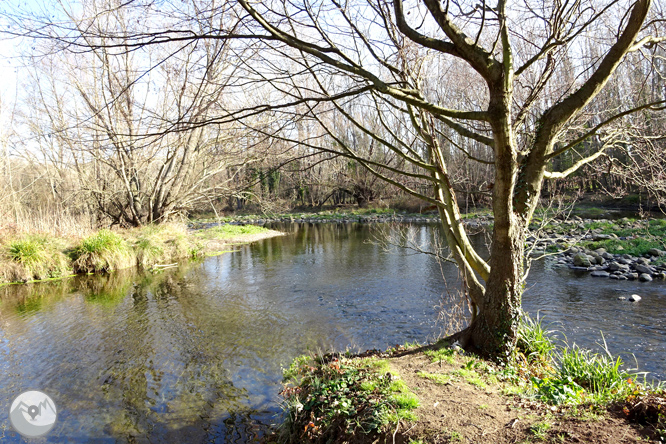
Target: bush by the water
336,399
567,374
33,257
103,251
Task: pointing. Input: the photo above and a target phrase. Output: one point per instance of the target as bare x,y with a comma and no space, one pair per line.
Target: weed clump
339,399
103,251
568,374
33,258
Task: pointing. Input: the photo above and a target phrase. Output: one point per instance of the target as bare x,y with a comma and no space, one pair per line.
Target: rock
614,266
581,260
643,269
602,274
574,250
619,248
644,277
632,276
643,261
622,298
607,256
598,259
600,237
614,276
661,276
635,298
624,261
656,252
600,251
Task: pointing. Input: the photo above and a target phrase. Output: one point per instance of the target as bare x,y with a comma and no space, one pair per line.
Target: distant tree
129,124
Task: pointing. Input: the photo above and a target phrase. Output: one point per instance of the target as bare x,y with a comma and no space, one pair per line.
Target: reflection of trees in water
136,343
26,299
164,379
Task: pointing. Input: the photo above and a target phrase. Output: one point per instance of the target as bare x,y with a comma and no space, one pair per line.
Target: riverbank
623,249
440,394
344,216
32,257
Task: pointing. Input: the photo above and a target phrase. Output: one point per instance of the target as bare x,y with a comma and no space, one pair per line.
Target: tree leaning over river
523,138
515,86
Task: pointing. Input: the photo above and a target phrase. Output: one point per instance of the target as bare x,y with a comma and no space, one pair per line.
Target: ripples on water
195,354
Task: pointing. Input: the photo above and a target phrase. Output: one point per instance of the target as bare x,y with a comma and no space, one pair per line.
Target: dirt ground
454,410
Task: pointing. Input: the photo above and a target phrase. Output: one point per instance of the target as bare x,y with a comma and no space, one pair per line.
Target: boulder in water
581,260
603,274
644,277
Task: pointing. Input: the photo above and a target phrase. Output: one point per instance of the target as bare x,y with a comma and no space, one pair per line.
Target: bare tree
128,122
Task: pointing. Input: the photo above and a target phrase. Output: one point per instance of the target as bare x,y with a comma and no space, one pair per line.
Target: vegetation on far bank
26,257
633,236
552,390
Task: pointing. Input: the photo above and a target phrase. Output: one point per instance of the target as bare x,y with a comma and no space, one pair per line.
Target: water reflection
194,354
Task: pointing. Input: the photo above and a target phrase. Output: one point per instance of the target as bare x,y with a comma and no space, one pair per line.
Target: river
194,354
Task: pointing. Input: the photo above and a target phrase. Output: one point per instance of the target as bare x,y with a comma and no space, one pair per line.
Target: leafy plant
540,430
341,396
599,374
558,391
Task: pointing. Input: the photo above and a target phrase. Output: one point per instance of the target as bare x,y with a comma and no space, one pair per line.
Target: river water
195,354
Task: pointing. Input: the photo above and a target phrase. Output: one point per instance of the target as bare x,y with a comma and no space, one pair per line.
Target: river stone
635,298
581,260
632,276
607,256
619,248
656,252
614,266
623,261
643,261
641,268
644,277
622,298
600,251
599,237
614,276
598,259
574,250
661,276
601,274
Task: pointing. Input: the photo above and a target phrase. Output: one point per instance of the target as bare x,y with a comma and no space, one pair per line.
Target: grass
634,237
103,251
437,378
33,257
229,231
338,398
540,430
359,400
568,374
535,343
27,258
441,354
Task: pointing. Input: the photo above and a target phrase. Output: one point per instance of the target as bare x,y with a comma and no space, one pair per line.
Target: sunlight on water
195,354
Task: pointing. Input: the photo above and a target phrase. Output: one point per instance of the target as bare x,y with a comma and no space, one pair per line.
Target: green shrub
103,251
599,374
558,390
340,398
36,257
